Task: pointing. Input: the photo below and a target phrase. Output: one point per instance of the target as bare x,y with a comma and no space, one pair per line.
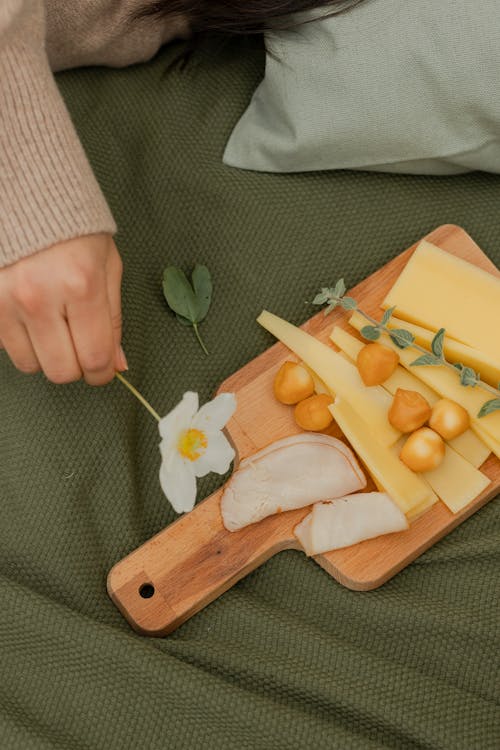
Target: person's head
230,17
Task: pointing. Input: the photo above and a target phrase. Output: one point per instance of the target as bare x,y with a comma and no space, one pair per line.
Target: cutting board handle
188,565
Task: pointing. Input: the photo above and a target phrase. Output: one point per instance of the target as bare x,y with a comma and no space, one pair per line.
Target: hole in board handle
147,590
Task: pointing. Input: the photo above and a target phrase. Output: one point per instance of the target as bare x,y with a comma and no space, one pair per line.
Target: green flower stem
138,396
195,326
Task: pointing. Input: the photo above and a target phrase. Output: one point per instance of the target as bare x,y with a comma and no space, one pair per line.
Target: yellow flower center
192,444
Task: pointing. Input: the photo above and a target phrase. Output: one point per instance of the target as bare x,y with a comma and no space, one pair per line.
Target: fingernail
122,360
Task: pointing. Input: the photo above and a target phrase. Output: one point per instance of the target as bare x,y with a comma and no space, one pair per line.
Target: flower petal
217,457
178,482
214,414
179,418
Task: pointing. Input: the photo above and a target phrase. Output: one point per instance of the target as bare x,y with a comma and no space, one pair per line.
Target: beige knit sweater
48,192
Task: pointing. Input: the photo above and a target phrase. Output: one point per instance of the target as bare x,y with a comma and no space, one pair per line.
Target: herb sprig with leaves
190,302
335,296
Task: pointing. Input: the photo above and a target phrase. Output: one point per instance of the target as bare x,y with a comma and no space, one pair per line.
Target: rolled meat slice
289,474
349,520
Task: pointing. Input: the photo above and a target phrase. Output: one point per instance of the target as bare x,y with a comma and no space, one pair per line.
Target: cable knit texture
48,192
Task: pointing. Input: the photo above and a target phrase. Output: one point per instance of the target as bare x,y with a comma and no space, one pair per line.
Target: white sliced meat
349,520
303,532
289,474
307,437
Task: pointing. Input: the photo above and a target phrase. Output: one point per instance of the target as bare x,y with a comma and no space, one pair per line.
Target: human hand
60,311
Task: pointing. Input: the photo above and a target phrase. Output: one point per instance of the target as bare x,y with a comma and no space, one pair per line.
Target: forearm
48,192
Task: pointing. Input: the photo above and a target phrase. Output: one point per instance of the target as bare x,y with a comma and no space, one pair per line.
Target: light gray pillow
391,85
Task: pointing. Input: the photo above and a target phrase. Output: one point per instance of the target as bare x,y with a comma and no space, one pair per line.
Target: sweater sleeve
48,192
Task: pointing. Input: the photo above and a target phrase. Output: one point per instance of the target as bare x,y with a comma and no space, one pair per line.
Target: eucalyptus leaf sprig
189,301
335,296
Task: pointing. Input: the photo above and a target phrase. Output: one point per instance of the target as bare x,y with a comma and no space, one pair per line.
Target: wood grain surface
194,560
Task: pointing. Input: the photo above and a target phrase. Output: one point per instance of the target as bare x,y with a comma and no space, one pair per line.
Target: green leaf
387,316
468,376
458,365
348,303
339,289
179,293
321,298
371,333
330,307
189,303
202,285
401,338
437,343
489,407
183,321
426,359
200,340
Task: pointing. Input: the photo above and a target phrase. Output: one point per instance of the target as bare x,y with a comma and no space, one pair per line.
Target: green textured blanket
287,659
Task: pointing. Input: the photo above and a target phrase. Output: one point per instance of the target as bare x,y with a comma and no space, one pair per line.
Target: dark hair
229,17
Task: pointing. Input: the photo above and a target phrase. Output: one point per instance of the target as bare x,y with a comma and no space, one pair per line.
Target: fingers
89,320
114,280
36,338
60,311
54,348
36,334
17,343
65,348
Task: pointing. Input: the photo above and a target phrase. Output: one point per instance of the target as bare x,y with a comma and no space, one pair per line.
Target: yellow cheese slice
455,351
456,481
446,383
493,445
438,290
468,445
319,386
346,342
401,378
351,346
405,487
339,375
419,510
471,447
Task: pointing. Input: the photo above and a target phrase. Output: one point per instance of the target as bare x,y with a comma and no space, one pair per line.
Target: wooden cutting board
194,560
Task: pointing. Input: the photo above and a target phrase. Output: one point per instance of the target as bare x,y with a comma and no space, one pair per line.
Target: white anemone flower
193,445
